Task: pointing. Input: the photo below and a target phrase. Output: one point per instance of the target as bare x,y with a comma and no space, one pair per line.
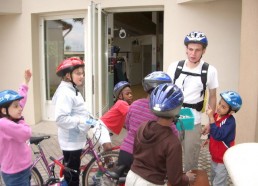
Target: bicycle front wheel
92,168
36,178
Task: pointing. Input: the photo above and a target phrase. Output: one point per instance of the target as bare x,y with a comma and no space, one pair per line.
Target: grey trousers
219,174
191,147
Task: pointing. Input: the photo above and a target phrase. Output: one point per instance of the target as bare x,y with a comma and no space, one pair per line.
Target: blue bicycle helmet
233,99
119,87
196,37
8,96
154,79
166,100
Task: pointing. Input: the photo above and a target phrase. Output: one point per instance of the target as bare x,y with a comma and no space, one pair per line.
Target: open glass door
96,65
62,37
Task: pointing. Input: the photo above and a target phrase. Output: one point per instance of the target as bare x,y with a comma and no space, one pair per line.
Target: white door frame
47,107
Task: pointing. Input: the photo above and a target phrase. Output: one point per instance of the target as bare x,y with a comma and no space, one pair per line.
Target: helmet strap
229,110
74,85
199,60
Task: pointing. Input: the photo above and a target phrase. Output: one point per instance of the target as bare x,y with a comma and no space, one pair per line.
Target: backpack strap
204,74
179,69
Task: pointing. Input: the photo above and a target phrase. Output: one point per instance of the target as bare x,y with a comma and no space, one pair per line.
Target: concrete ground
51,146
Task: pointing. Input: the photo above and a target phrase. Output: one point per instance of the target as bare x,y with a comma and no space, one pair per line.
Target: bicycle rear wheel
92,168
36,178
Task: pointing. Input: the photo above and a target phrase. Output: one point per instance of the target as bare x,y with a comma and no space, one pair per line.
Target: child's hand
191,176
27,76
209,111
210,114
206,129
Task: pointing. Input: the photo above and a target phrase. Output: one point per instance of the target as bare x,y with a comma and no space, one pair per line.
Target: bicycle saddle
37,140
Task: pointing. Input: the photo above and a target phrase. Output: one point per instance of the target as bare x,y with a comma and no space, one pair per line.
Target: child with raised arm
157,150
14,136
222,134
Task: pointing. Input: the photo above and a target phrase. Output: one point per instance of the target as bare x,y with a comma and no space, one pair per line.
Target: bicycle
54,181
87,170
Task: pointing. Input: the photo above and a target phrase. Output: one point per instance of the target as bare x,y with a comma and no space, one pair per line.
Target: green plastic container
185,120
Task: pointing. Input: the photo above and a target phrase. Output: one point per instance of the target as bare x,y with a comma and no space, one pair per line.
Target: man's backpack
203,75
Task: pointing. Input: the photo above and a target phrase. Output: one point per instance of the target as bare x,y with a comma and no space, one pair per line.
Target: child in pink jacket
15,153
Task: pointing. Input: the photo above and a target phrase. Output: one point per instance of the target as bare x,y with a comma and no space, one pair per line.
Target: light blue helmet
196,37
233,99
166,100
119,87
8,96
154,79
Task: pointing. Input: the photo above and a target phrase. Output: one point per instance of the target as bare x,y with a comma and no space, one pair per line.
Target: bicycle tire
36,178
92,168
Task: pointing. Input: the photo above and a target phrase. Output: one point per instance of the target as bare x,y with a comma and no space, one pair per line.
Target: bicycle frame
49,166
41,156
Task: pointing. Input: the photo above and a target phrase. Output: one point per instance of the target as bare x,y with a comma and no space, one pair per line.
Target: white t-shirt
192,85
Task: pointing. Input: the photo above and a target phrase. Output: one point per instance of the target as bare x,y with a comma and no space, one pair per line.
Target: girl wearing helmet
222,134
72,118
14,136
157,150
190,81
139,112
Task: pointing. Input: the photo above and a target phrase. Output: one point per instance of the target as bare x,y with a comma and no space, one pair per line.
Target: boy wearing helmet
193,81
14,136
157,150
138,113
222,134
113,119
72,118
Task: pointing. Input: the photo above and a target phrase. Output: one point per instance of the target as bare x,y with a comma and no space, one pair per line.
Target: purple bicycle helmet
119,87
154,79
8,96
166,100
233,99
196,37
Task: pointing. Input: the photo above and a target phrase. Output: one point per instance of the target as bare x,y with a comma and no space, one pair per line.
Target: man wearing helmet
157,151
72,118
222,134
194,76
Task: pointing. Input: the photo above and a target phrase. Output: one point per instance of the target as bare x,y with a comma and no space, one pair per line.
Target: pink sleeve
23,90
19,132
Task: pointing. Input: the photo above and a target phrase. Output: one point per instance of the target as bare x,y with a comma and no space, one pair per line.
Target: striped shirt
138,113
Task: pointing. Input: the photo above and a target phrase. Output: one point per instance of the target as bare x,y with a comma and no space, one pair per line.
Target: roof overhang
10,7
193,1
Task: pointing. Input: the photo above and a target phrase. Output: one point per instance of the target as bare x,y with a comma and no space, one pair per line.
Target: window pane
63,38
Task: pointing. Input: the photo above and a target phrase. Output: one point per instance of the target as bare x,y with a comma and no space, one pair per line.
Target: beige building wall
248,86
220,20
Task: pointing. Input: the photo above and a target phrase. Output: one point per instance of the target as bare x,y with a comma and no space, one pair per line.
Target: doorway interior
135,47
